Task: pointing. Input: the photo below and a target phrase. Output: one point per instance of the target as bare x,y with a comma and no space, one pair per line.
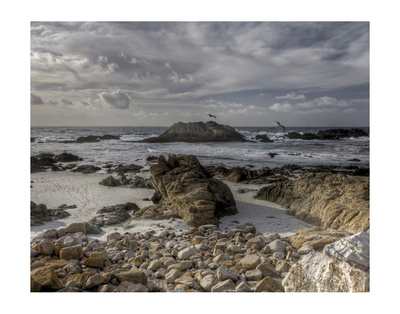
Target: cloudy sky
159,73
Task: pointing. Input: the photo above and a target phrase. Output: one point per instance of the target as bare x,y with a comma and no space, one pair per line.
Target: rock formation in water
185,189
195,132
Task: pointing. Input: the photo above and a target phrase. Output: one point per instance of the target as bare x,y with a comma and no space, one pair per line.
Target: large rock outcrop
184,188
194,132
329,200
343,266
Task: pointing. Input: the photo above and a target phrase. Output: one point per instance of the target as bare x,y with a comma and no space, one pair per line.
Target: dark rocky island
194,132
334,134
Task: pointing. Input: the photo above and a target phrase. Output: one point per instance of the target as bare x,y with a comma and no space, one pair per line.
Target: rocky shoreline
204,258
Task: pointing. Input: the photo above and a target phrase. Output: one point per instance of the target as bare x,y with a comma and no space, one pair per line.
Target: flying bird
280,125
212,116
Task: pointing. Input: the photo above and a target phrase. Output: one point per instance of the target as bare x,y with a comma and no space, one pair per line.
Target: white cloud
291,96
116,99
278,107
323,102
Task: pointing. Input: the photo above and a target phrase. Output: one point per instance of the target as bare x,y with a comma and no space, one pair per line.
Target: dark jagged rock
110,181
67,157
197,132
86,169
263,138
334,134
40,213
41,163
96,138
298,136
186,189
340,133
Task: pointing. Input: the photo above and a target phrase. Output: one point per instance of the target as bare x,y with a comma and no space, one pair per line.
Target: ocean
256,155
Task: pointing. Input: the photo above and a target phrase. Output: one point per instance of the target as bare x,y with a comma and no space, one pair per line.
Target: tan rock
250,261
46,247
269,285
72,252
96,262
134,276
46,277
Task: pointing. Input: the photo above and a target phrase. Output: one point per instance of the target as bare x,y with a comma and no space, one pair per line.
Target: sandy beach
83,190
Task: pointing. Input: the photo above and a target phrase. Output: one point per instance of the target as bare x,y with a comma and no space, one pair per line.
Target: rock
189,192
114,236
46,277
39,213
127,286
283,267
263,138
140,183
95,262
86,169
185,279
172,275
195,132
253,275
277,246
186,252
66,157
353,249
208,282
317,272
76,227
155,265
72,252
112,215
224,286
71,241
134,276
334,134
269,285
329,200
250,261
267,270
97,280
305,249
46,247
243,287
258,241
300,136
110,181
223,273
316,237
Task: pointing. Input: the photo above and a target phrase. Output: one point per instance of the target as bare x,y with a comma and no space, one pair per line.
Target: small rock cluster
40,213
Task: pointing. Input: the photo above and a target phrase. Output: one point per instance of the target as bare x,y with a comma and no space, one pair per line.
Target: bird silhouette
280,125
212,116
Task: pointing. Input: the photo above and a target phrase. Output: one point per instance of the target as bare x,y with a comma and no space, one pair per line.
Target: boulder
353,249
316,237
334,134
269,285
110,181
263,138
187,190
39,213
86,169
134,276
329,200
317,272
194,132
224,286
66,157
46,277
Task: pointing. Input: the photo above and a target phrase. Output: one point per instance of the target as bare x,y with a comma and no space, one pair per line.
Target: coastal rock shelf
194,132
330,200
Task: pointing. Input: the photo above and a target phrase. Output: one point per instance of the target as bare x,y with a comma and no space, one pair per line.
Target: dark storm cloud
36,100
257,64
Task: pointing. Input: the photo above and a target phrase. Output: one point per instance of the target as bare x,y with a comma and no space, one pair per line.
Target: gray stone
186,252
277,246
305,250
224,286
243,287
254,275
208,282
172,275
279,255
353,249
224,273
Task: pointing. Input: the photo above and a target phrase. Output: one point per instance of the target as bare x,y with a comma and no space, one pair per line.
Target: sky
160,73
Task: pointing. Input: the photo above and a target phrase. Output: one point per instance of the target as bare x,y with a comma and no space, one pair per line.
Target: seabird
280,125
212,116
